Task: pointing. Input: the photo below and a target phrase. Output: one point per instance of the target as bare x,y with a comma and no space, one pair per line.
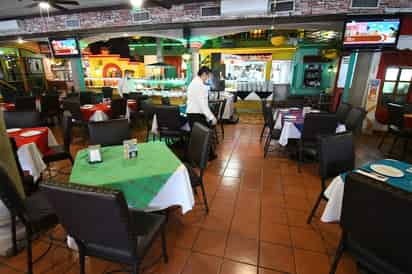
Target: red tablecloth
88,112
41,140
8,106
132,104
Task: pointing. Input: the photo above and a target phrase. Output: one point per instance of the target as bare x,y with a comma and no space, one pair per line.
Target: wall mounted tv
65,47
370,33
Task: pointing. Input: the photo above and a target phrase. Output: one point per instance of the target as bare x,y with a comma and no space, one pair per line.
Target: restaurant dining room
205,136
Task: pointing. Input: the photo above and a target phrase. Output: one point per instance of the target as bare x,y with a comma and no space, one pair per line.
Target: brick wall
188,13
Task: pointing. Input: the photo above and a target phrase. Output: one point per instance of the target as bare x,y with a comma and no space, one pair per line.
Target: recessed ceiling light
44,5
136,3
20,40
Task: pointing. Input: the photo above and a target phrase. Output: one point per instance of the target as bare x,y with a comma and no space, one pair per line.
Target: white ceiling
14,8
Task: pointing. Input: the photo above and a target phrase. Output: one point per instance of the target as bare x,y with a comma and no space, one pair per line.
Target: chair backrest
215,107
165,101
395,115
355,118
168,117
107,92
196,118
109,133
67,130
9,96
336,155
16,157
268,114
342,112
318,124
50,102
97,218
86,97
73,106
374,218
118,107
222,110
148,110
25,103
22,119
199,146
10,197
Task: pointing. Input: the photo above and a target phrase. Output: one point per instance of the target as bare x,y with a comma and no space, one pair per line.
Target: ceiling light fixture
20,40
44,5
136,3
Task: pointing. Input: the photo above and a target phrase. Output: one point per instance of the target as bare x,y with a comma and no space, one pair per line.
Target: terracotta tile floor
256,224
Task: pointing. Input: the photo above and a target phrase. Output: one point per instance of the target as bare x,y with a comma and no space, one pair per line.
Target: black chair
165,101
118,108
274,134
25,103
72,105
396,127
107,92
342,112
61,152
86,97
355,118
375,230
336,156
122,235
266,119
109,133
50,106
22,119
197,156
220,120
315,125
215,107
34,212
148,113
29,185
169,122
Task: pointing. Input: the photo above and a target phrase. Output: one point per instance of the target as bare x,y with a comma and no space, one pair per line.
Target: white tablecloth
176,192
99,116
230,105
31,159
333,208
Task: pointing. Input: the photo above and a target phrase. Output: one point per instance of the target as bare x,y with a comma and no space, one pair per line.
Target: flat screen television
371,33
65,47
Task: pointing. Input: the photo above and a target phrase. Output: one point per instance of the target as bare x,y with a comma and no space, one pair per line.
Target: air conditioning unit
10,26
72,23
141,16
210,11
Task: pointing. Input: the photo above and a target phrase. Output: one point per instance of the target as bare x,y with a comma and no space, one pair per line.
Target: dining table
12,106
291,121
103,111
32,145
393,172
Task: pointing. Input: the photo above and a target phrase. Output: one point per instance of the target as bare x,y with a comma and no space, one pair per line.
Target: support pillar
77,74
195,61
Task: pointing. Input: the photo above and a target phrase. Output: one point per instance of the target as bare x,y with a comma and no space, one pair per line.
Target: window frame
394,95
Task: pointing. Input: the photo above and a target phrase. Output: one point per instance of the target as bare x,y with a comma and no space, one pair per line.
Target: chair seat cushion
276,134
194,177
56,153
40,214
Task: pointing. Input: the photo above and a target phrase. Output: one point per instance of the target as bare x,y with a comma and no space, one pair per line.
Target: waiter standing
126,84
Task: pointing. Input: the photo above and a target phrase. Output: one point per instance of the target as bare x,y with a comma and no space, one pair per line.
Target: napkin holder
94,154
130,149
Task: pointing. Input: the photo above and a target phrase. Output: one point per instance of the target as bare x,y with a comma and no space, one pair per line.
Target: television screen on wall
371,33
65,47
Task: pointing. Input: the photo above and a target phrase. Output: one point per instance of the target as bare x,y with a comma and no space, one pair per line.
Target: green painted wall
297,87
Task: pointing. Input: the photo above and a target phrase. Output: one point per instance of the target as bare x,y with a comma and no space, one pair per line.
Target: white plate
315,111
87,106
31,133
11,130
294,108
387,170
289,117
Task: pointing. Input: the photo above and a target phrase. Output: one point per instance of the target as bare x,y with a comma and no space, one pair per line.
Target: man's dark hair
202,70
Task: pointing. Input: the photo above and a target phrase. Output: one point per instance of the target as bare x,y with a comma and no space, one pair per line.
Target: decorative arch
111,66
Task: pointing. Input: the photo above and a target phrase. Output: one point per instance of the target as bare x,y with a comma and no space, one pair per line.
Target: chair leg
405,148
164,245
136,267
204,196
14,234
300,159
82,262
382,140
315,207
267,144
71,160
394,143
29,254
262,132
339,253
223,130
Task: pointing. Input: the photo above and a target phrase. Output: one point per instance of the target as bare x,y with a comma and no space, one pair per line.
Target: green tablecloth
140,179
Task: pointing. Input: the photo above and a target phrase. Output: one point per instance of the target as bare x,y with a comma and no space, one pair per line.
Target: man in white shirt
126,84
197,96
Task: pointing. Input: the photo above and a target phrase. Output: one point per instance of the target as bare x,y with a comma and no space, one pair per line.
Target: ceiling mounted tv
370,33
65,47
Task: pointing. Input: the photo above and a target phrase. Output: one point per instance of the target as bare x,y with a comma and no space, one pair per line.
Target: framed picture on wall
34,65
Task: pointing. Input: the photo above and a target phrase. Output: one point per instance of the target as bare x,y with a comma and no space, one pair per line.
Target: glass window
406,75
388,87
391,74
403,88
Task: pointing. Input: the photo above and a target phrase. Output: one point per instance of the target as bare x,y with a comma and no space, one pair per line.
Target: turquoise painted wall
297,87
